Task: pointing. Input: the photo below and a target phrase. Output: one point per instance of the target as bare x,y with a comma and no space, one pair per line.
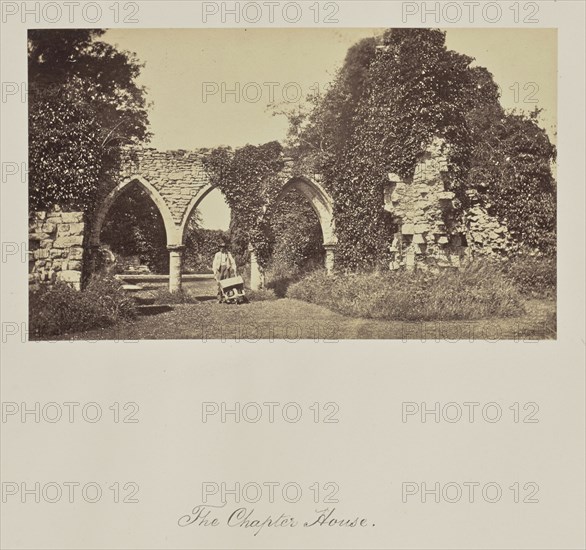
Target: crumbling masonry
63,245
430,232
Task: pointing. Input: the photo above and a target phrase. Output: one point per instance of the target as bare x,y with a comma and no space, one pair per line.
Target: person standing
224,265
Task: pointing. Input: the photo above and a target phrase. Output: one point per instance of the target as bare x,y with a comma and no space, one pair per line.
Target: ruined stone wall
486,235
56,247
432,232
178,176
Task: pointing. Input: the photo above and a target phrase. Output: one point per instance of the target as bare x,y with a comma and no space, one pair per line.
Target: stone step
132,288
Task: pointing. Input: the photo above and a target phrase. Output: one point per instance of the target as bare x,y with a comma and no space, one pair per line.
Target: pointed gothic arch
171,229
320,201
323,205
193,206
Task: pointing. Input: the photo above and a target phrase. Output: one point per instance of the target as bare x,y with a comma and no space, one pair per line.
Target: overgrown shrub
476,292
534,276
281,274
60,309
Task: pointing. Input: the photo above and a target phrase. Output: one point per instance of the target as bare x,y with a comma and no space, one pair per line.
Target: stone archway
256,275
174,245
173,180
192,207
323,205
155,196
177,183
202,193
318,198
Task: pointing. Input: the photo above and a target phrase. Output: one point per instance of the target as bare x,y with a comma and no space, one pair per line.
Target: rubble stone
418,213
56,241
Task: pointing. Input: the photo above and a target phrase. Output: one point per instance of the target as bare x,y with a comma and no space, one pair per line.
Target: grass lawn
294,320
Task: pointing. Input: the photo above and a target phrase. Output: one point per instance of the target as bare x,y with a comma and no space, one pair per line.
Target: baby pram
232,291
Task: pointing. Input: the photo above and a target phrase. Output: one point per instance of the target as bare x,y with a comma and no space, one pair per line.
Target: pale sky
211,87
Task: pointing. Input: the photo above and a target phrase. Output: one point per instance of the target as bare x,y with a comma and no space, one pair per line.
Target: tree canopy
84,104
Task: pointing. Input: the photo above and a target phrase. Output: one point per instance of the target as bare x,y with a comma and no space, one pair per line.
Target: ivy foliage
84,104
296,236
386,105
318,138
200,247
286,235
393,99
248,178
512,173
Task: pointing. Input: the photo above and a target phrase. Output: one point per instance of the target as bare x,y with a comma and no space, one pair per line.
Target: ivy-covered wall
431,229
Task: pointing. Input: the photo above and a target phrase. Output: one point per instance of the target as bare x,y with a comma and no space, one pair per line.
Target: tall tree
84,104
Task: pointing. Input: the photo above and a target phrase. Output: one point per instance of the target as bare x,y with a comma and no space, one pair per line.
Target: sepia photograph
292,184
299,274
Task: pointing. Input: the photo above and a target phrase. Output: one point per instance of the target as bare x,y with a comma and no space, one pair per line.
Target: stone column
175,262
257,278
330,258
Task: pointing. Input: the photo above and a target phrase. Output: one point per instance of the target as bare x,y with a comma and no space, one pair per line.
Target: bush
534,276
281,274
60,309
476,292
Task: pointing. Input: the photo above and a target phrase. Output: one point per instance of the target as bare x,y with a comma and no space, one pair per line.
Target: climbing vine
411,90
248,178
512,173
384,108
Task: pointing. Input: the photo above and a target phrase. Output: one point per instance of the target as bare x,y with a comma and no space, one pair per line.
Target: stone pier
175,266
330,258
257,278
